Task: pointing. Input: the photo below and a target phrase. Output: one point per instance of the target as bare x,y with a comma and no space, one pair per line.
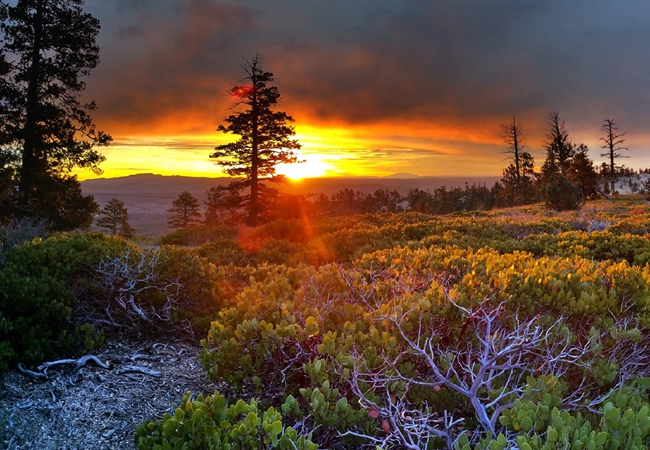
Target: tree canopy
48,46
568,175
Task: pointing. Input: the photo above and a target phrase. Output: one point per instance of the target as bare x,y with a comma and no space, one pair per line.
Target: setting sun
312,167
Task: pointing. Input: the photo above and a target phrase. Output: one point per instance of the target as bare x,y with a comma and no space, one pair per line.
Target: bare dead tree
613,140
518,176
512,135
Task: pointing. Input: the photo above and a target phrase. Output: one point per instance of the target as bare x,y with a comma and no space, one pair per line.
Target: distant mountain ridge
149,182
148,196
403,175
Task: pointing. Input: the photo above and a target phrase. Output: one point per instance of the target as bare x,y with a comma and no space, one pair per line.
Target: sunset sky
376,86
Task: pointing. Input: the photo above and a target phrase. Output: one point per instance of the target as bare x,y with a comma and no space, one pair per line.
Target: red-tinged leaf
373,412
385,426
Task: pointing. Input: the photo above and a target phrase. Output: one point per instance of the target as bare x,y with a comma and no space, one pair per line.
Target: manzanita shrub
373,331
347,238
444,348
198,235
40,282
211,423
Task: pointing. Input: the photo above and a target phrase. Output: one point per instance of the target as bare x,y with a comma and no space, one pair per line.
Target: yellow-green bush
211,423
305,328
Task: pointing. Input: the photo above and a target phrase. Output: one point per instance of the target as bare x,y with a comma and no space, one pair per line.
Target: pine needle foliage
265,140
48,47
185,211
114,217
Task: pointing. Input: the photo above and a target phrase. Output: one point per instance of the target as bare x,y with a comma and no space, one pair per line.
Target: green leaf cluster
40,283
211,423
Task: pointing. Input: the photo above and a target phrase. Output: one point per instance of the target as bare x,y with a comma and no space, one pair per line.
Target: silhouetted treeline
441,201
622,171
348,202
471,198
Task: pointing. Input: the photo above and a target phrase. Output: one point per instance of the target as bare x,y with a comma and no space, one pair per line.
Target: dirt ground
97,408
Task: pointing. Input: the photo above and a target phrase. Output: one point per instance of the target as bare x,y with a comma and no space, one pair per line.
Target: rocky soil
93,408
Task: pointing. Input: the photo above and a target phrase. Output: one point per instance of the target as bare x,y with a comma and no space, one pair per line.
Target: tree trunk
252,215
32,167
612,168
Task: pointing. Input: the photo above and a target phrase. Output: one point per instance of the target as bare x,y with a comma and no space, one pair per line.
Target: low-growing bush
22,230
288,230
211,423
374,331
435,344
226,251
561,195
40,282
601,246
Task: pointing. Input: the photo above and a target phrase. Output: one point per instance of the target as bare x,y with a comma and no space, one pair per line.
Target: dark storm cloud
444,61
461,63
163,66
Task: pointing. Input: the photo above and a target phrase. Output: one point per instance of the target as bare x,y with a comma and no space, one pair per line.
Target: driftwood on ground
95,407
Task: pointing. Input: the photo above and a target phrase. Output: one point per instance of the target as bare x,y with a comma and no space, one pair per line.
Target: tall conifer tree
47,47
568,176
114,217
185,211
265,139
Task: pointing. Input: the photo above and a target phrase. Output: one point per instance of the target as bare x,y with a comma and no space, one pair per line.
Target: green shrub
18,231
335,335
561,195
205,288
211,423
226,251
288,230
622,423
601,246
40,282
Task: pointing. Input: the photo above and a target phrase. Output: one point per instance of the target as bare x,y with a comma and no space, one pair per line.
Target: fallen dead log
140,369
145,357
599,191
79,363
30,373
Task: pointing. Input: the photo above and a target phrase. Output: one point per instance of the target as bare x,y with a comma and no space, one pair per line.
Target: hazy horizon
394,176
